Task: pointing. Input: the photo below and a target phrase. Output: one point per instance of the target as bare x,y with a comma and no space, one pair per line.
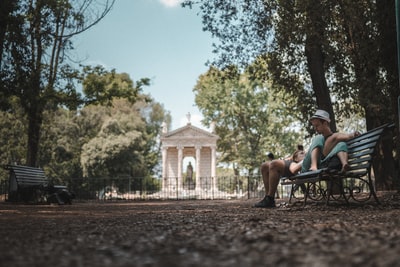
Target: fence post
248,186
177,189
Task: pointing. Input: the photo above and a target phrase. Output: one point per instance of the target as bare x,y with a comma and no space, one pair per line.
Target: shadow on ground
200,233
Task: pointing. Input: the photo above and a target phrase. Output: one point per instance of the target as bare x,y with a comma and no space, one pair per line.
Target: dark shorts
286,171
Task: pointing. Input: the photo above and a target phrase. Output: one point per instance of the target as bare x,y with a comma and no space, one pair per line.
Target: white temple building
188,141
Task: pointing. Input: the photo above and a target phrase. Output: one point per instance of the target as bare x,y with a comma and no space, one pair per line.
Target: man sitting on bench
327,149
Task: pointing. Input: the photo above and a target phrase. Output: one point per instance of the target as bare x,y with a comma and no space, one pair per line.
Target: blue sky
156,39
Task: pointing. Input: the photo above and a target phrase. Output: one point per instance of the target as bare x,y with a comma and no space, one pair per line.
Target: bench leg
330,186
372,189
306,193
328,191
294,188
342,192
291,194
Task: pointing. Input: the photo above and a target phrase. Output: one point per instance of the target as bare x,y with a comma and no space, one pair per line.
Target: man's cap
321,114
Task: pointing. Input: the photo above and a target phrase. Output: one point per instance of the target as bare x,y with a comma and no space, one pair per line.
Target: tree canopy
251,117
35,38
114,139
326,44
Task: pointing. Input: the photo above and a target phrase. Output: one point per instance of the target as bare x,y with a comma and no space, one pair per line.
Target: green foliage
250,116
34,38
101,86
13,139
60,146
342,34
116,148
98,141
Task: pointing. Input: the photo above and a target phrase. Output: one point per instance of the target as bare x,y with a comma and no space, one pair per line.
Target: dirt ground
200,233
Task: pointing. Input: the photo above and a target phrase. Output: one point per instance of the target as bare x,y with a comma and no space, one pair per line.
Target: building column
180,161
165,180
198,171
214,167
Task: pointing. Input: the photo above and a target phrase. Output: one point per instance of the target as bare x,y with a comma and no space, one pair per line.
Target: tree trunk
315,60
384,164
386,17
34,122
315,64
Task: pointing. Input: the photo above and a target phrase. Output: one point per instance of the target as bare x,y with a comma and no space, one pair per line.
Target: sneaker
267,202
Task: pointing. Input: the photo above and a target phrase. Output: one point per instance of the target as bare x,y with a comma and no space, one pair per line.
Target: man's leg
315,157
340,150
343,157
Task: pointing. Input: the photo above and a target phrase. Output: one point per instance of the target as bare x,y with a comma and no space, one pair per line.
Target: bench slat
360,154
374,132
28,176
365,137
362,158
359,146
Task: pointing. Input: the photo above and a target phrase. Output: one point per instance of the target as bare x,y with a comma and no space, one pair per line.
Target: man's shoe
267,202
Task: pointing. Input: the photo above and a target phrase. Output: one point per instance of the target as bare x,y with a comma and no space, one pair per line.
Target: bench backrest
361,150
27,176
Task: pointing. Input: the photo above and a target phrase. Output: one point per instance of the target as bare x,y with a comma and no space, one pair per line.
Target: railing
130,188
138,188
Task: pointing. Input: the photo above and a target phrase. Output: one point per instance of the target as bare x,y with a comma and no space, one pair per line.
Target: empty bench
320,184
30,184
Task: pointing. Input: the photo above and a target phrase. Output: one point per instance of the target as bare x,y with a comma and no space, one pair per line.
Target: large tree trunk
315,59
386,17
34,125
384,165
316,68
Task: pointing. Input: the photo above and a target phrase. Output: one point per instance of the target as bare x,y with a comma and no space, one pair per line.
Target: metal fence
131,188
138,188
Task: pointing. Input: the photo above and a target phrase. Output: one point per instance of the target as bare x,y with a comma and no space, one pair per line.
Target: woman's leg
265,175
276,168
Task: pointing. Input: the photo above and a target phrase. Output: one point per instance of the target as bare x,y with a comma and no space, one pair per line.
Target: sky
156,39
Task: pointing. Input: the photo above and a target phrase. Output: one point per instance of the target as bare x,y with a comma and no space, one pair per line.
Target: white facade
188,141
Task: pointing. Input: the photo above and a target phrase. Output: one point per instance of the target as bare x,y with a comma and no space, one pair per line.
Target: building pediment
188,132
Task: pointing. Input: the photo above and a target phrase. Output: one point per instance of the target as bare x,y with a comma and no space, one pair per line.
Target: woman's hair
300,148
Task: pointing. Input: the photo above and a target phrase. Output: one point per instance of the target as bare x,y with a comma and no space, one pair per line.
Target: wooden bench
320,184
29,184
